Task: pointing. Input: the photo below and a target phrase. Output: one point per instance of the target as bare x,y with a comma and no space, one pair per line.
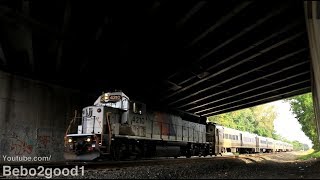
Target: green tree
276,136
264,117
297,146
223,119
302,108
258,119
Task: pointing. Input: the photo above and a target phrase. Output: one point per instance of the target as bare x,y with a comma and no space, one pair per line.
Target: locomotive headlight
104,98
69,140
88,139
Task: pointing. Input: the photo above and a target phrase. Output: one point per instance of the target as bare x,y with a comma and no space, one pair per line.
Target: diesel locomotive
115,127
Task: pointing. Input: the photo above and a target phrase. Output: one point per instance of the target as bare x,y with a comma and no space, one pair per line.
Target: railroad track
90,165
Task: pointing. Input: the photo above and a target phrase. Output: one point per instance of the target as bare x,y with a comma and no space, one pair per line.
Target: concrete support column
312,15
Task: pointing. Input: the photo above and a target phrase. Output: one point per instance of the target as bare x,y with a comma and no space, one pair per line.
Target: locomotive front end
94,136
85,144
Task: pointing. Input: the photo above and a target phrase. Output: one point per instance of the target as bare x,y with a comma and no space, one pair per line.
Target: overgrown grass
311,155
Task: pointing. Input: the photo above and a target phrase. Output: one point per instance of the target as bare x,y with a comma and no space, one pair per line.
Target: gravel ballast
278,165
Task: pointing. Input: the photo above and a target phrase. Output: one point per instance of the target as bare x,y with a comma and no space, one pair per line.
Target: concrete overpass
196,57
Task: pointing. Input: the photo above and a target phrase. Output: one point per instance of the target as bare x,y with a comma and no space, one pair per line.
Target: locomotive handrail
109,127
69,127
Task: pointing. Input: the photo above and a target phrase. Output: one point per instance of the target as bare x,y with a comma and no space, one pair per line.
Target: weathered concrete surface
34,117
312,12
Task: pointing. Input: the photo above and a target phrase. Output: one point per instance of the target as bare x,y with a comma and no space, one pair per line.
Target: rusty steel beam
253,96
228,41
240,75
286,28
244,31
235,65
247,83
260,101
221,21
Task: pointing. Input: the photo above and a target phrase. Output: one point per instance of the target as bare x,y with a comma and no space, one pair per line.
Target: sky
287,125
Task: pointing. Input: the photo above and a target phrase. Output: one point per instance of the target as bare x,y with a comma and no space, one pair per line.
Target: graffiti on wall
49,142
22,141
20,146
43,141
18,141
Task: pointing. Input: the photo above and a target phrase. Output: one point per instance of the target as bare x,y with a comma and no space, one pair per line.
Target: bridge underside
201,57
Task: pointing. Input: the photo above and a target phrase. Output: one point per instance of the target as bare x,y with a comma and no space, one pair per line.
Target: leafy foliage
302,108
297,146
258,119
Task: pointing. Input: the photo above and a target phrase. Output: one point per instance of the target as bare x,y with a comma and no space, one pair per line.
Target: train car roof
249,133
